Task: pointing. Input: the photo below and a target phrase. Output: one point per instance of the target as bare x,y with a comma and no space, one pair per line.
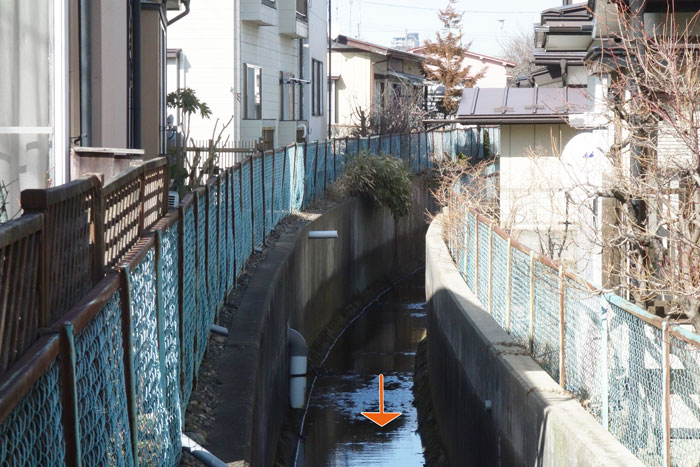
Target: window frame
317,79
246,96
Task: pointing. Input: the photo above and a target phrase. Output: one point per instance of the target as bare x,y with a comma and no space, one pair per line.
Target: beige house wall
109,74
354,87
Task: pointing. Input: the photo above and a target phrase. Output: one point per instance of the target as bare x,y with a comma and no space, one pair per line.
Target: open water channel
382,339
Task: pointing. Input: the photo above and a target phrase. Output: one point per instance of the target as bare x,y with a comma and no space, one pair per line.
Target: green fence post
69,396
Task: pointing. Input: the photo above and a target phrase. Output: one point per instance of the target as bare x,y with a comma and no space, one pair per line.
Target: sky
378,21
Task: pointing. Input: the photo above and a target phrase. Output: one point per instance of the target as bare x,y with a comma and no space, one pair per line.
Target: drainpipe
136,74
85,74
201,454
298,353
181,15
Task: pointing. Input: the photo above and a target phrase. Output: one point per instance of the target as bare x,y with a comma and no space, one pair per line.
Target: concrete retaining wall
302,283
494,404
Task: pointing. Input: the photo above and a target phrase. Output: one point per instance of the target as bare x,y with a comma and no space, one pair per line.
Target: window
268,139
317,78
287,87
252,100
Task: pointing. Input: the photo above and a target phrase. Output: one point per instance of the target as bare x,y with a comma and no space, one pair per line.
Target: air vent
173,199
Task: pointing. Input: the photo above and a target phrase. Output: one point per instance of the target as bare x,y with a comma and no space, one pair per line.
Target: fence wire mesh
258,208
483,252
189,301
684,401
99,372
154,443
202,292
615,357
33,434
170,329
636,398
499,294
520,297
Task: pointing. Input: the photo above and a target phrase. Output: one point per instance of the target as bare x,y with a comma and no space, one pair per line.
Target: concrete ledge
474,362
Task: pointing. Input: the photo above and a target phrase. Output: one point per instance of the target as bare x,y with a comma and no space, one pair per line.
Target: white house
496,70
362,72
261,62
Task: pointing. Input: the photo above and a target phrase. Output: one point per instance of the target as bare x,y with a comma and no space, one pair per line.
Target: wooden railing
61,247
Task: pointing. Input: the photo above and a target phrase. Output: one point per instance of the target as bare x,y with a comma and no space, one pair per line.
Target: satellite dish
584,162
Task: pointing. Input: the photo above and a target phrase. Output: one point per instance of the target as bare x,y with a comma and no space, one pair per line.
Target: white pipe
204,456
323,234
220,330
298,354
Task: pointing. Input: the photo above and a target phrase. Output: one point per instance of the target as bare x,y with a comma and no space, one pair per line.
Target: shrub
383,179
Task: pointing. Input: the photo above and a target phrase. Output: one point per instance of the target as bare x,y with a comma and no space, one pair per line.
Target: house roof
521,105
344,43
476,55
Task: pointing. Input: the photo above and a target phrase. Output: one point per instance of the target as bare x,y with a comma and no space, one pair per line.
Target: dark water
382,340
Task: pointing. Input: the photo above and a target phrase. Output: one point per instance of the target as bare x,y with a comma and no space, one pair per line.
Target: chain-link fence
637,374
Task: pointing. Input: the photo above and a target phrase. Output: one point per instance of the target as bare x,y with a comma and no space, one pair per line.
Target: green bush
383,179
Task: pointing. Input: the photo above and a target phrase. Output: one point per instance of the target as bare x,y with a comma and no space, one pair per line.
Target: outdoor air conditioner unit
173,199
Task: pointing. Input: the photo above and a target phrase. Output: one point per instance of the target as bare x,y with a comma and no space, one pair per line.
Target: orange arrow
381,418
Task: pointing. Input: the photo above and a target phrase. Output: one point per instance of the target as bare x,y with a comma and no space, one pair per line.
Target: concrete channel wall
302,283
494,404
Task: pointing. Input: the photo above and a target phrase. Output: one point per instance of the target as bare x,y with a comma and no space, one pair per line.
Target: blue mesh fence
330,162
636,397
471,251
280,190
520,297
189,301
154,445
103,417
258,208
212,254
483,253
385,145
414,155
202,292
33,434
247,213
169,324
637,375
364,144
309,173
268,183
238,228
546,324
298,178
230,249
320,175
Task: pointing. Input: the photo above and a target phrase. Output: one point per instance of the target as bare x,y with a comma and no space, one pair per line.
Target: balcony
259,12
293,18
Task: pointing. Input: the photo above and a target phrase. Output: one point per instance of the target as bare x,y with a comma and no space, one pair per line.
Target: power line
463,11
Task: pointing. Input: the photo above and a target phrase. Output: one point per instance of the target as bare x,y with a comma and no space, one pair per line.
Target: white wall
206,37
355,83
317,50
495,75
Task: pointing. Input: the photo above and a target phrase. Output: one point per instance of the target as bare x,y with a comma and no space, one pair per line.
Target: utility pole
328,80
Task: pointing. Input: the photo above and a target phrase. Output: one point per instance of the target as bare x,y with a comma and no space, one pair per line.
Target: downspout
181,15
85,74
136,74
